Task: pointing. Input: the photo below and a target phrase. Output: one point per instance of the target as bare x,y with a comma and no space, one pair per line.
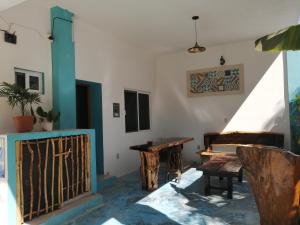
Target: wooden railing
51,172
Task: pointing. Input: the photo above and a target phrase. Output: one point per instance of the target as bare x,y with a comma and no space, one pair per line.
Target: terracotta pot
23,123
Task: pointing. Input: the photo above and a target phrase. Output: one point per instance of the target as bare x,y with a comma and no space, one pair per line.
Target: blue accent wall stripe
63,67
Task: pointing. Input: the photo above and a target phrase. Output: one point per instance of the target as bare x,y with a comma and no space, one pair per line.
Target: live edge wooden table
149,154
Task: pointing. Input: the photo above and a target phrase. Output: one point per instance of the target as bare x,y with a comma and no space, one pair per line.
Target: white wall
100,57
32,52
117,65
103,58
262,106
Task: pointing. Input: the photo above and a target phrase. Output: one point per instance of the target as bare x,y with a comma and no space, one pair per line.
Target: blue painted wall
63,68
293,69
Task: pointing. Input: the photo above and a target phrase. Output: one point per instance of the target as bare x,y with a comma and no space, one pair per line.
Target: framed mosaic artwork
220,80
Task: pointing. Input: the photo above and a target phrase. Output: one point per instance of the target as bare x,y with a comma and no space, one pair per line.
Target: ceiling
166,25
5,4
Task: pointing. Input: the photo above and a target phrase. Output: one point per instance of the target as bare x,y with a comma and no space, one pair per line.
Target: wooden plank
72,165
274,175
82,162
77,164
216,153
149,170
143,170
53,174
39,178
159,145
88,163
19,183
41,211
45,176
43,141
60,175
31,199
66,167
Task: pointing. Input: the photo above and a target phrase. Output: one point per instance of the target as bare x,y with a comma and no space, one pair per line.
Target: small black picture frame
116,109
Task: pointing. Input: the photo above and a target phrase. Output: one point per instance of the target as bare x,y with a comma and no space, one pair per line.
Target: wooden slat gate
51,172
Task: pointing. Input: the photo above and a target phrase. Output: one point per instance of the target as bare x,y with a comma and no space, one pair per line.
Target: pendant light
197,48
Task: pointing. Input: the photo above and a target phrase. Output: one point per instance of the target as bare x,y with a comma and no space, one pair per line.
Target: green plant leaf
19,97
285,39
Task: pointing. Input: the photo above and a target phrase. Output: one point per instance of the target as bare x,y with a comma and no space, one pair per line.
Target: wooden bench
222,166
237,139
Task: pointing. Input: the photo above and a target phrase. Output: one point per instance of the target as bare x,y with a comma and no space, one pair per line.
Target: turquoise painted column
293,69
63,67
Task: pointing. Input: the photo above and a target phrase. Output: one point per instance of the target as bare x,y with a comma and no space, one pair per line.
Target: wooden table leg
241,176
207,184
229,187
174,163
149,170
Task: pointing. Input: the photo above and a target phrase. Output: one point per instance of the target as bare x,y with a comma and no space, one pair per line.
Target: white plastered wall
262,107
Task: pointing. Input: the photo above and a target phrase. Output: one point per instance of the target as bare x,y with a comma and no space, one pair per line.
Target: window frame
138,109
31,73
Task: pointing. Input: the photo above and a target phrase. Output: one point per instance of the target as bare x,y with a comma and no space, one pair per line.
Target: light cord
196,31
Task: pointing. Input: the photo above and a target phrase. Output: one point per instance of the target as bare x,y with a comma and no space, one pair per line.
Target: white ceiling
166,25
5,4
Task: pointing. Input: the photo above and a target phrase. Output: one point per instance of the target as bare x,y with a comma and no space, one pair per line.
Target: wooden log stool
222,166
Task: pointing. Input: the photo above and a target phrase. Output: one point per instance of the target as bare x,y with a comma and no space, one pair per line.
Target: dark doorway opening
89,115
83,116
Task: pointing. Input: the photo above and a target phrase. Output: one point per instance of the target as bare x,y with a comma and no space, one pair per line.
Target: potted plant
22,99
47,118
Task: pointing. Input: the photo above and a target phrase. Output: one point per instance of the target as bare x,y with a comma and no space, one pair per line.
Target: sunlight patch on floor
179,210
112,221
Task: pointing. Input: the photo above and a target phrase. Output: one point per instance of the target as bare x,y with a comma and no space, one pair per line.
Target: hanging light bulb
196,48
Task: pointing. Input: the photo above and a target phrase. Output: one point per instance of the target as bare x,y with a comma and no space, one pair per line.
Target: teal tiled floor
172,204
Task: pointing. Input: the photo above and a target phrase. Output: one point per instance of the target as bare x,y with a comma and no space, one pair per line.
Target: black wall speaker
10,38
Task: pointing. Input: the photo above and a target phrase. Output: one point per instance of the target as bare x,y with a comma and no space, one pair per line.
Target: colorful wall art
216,81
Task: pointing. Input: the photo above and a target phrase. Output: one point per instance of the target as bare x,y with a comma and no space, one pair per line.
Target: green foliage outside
294,107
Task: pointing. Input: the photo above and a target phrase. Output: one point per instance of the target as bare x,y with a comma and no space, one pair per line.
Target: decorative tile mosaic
219,80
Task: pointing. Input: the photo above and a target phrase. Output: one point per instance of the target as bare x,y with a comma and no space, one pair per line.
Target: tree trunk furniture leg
229,187
241,176
180,166
168,166
149,170
174,163
207,184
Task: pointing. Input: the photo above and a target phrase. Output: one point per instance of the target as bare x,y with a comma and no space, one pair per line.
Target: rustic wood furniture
51,172
239,138
149,154
274,175
222,166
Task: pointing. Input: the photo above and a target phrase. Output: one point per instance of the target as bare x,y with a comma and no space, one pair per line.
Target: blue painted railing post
63,67
293,69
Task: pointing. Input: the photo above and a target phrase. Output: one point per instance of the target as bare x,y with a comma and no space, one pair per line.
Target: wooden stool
222,166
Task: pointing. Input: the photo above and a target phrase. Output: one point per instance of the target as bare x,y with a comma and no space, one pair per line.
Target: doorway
89,115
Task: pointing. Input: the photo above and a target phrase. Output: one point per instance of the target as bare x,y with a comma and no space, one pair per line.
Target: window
137,110
30,80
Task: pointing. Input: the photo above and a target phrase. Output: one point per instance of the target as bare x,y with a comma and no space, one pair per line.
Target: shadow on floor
172,204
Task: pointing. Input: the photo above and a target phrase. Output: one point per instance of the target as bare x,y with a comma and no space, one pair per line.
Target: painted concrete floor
172,204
